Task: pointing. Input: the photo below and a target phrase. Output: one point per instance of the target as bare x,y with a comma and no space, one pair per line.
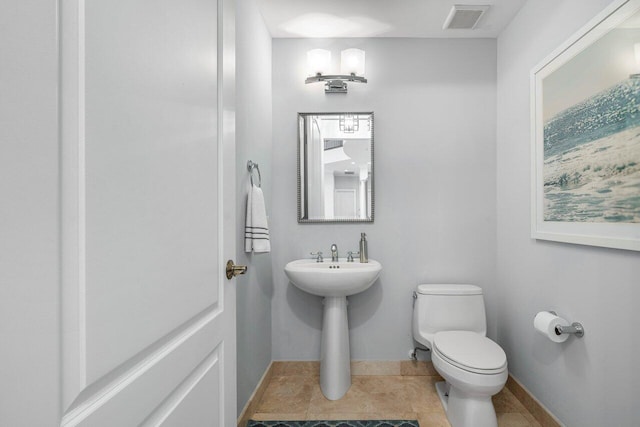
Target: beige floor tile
277,368
287,394
505,401
531,419
368,367
514,419
433,419
293,393
296,368
302,368
364,416
422,395
368,394
413,367
543,418
279,417
535,410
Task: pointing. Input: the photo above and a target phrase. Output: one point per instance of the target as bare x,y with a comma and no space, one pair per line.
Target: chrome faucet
334,253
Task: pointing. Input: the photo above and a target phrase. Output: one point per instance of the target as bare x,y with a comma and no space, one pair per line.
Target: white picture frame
559,211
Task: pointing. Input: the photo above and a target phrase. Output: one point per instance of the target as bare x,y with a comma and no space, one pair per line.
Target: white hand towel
256,233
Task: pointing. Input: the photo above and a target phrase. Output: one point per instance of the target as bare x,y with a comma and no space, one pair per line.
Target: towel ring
251,167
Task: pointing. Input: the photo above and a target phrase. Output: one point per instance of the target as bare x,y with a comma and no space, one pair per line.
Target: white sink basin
332,279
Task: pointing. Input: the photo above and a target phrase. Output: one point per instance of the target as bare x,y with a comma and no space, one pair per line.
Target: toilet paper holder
575,328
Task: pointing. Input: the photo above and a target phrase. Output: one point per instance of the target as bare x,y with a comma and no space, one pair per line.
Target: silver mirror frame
299,171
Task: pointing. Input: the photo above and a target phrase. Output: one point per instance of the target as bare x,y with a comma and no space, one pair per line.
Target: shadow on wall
547,352
263,267
308,308
365,305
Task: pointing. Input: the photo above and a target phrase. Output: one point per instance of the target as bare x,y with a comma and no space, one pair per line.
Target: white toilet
450,320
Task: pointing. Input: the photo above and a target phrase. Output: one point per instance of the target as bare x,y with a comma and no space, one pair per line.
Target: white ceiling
379,18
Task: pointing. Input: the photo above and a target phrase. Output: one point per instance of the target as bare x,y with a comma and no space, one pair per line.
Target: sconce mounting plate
335,83
335,86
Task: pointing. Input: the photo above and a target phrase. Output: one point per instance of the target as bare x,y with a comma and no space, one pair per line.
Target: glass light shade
318,61
636,51
352,62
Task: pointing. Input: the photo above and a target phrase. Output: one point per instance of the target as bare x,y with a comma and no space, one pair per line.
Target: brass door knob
233,270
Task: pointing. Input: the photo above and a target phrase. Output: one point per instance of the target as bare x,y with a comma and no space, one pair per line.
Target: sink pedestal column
335,359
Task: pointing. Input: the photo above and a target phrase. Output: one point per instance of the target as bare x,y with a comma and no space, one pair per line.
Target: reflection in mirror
335,167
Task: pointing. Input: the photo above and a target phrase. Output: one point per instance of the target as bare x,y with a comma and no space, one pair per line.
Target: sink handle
350,255
318,256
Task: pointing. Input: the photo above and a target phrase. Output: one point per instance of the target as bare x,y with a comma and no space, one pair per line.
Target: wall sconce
349,123
351,68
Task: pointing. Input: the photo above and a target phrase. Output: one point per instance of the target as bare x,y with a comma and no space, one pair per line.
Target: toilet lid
449,289
470,351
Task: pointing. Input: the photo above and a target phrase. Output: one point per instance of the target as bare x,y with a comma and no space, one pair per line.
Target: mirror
335,167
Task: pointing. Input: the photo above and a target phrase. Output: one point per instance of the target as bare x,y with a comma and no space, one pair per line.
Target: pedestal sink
334,281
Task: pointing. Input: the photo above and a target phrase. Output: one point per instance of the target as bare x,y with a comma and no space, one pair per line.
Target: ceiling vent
463,17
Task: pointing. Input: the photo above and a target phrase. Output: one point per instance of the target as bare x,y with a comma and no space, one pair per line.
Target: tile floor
379,390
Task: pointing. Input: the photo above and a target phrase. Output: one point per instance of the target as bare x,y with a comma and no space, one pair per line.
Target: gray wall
585,382
253,126
435,117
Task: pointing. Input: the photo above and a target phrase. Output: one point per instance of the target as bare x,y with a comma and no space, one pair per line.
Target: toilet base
466,410
443,393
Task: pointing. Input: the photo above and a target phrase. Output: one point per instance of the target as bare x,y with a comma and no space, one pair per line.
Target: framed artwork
585,114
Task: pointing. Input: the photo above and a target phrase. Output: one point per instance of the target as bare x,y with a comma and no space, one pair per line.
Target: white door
148,319
345,203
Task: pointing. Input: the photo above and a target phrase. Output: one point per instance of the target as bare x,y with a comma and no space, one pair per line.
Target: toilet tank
447,307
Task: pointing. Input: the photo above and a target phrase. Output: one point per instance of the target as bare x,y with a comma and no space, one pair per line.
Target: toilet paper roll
546,323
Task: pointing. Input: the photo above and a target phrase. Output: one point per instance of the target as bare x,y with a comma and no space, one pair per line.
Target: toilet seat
470,351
